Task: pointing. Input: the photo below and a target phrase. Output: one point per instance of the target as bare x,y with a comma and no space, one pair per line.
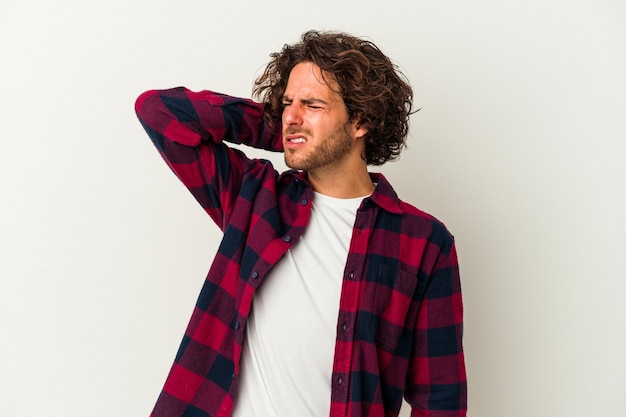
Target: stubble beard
329,151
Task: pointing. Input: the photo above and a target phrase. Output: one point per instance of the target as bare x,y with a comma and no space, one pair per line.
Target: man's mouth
294,137
298,139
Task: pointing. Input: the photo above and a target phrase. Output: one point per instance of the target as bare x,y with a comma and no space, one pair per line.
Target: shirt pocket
396,299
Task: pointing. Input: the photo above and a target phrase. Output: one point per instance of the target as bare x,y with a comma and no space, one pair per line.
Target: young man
328,294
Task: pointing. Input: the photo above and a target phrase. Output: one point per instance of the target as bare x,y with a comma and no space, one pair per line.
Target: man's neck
342,184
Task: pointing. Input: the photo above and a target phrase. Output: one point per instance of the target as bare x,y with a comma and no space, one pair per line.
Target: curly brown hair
376,93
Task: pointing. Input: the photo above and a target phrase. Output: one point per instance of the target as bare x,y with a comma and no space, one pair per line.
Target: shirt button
255,274
304,202
237,326
287,239
344,327
351,275
340,380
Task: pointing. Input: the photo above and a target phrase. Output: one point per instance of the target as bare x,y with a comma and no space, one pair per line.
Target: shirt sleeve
188,128
436,382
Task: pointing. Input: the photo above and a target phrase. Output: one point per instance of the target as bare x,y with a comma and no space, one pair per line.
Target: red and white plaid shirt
399,330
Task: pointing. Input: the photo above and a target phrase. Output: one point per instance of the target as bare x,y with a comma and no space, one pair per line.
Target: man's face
316,132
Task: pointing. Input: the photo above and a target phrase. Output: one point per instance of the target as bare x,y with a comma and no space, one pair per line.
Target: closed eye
314,103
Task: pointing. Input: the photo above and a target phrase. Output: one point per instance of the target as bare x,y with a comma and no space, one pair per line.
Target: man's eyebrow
306,100
313,101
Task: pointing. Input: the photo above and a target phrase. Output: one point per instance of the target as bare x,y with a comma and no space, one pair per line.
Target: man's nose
292,114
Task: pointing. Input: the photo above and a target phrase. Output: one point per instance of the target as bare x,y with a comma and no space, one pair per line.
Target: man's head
376,94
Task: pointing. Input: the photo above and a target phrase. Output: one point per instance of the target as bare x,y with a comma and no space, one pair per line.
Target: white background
519,148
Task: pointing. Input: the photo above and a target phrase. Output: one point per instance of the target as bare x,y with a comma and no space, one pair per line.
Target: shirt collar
383,196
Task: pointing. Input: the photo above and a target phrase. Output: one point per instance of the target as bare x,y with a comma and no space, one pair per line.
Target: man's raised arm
188,129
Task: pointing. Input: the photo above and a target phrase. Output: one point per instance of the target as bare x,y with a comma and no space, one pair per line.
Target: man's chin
293,164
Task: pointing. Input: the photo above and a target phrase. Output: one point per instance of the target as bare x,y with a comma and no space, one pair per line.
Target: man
328,294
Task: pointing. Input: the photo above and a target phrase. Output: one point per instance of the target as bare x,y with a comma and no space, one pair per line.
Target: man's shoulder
414,219
418,220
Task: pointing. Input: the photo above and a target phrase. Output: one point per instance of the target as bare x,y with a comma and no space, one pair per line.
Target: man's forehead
309,81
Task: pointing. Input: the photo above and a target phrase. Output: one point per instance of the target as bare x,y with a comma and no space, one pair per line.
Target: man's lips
294,138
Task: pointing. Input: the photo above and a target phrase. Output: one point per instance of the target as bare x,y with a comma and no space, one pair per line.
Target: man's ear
360,129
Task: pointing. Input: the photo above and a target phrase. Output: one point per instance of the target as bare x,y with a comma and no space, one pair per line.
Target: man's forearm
188,118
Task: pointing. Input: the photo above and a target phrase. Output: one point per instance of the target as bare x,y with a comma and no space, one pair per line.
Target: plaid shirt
399,329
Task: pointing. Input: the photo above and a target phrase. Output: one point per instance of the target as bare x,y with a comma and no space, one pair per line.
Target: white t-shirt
288,349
